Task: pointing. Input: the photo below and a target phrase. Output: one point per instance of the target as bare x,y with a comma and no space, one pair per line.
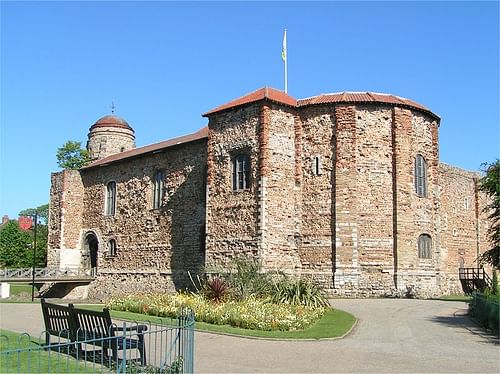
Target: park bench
82,326
57,322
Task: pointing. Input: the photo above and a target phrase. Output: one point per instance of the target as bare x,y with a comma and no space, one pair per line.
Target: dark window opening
158,189
420,176
424,246
241,172
111,199
112,247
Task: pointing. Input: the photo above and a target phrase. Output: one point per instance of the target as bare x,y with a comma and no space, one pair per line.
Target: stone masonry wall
106,141
55,216
65,219
279,251
463,227
346,209
415,133
374,199
232,216
331,196
160,244
317,227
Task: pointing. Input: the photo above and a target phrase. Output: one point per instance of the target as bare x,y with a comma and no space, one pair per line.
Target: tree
490,184
42,212
15,246
72,156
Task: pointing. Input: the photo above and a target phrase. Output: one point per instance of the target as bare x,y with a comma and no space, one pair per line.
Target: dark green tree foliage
15,246
42,212
490,184
72,156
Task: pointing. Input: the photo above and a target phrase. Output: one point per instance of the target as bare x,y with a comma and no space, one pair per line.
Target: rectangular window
158,189
112,247
110,198
420,176
241,172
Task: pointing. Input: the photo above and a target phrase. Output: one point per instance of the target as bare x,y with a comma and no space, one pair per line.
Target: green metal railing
169,349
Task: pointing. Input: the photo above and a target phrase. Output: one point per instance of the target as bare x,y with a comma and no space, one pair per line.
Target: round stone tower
109,135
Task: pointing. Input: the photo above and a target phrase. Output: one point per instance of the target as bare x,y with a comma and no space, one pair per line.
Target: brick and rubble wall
415,133
463,228
156,248
233,217
374,199
65,219
346,206
278,173
317,230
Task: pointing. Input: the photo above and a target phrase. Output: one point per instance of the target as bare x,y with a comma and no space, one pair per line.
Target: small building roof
111,121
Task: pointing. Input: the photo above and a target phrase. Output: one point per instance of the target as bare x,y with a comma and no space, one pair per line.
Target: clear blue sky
166,63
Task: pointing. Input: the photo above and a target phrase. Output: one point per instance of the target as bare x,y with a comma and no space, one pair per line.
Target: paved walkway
392,336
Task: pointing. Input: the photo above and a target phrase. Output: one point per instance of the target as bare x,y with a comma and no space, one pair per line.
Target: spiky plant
298,291
216,289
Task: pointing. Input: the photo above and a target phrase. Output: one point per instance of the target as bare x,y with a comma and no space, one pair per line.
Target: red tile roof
199,135
364,97
340,97
261,94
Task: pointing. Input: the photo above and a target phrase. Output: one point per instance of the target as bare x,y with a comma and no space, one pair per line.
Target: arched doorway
90,248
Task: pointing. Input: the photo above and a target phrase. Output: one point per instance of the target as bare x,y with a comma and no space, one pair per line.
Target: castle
346,188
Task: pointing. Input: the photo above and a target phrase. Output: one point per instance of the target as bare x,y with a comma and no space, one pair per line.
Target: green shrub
247,279
494,286
298,291
486,309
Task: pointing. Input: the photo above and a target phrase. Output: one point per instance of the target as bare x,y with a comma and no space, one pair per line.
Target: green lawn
335,323
18,288
32,359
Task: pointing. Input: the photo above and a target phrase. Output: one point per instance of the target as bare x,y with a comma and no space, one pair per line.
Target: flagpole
286,78
285,58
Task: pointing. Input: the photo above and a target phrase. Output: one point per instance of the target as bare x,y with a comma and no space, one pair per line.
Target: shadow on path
461,319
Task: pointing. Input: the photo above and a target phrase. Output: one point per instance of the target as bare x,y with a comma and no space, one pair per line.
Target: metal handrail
41,273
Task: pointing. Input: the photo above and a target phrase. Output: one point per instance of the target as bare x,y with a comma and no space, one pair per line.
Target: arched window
420,176
112,247
110,198
424,246
241,172
158,189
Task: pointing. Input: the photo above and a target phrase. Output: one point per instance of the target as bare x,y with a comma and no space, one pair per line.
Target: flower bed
250,313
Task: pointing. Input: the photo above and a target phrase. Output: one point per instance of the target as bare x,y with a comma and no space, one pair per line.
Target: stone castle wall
155,247
106,141
65,219
373,169
331,196
232,216
316,194
278,192
414,134
463,224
